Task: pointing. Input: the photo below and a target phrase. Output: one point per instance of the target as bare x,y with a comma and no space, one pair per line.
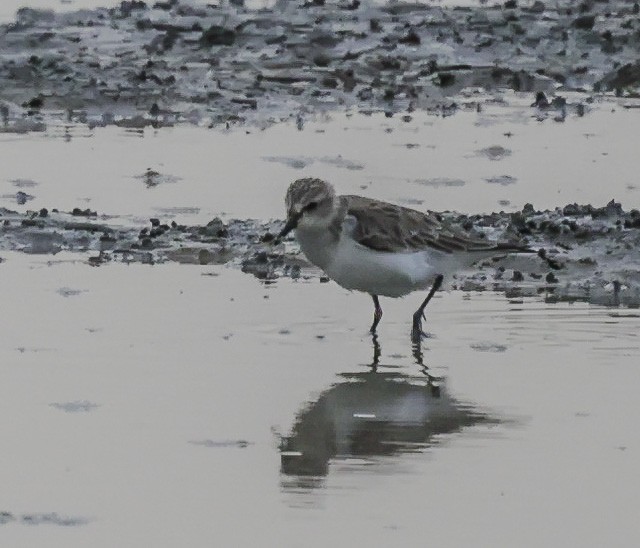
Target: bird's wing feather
387,227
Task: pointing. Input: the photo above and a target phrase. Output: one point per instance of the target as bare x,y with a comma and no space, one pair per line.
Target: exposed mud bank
585,252
164,63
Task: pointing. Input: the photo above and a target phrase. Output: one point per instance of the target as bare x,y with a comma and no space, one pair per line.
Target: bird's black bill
292,222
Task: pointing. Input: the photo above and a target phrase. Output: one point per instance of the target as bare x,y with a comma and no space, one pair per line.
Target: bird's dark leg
377,313
376,353
416,331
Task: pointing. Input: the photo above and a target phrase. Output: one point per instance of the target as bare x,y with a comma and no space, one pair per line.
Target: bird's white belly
357,267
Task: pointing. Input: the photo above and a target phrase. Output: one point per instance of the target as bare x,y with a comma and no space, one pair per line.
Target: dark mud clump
163,63
583,252
51,518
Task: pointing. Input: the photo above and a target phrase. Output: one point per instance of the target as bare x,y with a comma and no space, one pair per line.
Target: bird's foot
417,334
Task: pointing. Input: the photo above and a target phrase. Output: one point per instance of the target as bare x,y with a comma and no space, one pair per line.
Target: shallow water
498,159
180,404
151,404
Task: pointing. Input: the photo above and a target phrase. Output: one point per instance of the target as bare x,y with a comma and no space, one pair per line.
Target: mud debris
33,519
584,252
157,64
81,406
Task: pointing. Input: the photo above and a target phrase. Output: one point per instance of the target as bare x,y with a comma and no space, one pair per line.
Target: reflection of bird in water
373,414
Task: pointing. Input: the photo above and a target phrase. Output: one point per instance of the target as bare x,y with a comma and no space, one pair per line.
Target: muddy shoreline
584,253
168,63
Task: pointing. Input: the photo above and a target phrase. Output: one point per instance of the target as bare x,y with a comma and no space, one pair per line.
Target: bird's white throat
318,244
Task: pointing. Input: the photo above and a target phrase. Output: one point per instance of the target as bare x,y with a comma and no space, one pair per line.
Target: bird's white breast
360,268
357,267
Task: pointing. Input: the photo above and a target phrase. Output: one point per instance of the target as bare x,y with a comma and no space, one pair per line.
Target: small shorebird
380,248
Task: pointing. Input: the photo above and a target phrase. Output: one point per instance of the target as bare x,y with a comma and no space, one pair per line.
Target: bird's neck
318,244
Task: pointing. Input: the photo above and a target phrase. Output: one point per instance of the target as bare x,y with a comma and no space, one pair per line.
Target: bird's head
309,203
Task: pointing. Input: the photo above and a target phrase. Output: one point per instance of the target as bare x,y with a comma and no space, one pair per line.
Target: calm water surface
430,162
188,404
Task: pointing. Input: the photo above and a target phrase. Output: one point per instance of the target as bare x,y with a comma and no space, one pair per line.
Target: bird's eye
311,206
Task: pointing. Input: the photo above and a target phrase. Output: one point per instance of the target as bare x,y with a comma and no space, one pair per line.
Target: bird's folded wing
387,227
